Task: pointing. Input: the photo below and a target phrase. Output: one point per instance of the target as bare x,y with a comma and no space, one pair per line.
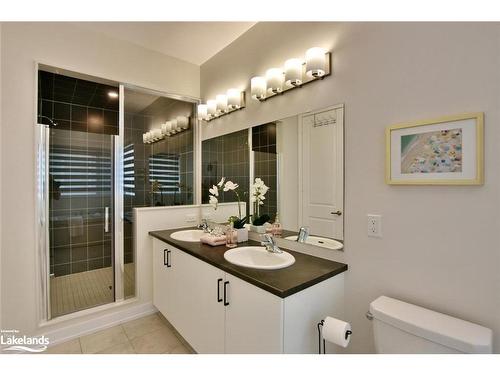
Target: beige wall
74,48
440,245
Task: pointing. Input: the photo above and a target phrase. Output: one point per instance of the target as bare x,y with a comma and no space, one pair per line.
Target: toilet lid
443,329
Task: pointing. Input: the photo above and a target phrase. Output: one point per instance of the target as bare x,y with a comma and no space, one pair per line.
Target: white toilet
400,327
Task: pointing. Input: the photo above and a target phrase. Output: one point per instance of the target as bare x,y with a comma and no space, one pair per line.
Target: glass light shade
258,88
211,108
315,62
202,111
293,72
175,126
221,103
164,129
157,134
168,127
149,137
234,98
145,138
274,79
183,122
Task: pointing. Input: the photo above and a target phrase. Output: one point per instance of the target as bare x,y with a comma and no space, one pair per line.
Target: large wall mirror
300,159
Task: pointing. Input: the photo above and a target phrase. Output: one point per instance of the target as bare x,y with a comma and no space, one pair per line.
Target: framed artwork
442,151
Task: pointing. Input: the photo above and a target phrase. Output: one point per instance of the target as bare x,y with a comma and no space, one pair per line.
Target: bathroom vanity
219,307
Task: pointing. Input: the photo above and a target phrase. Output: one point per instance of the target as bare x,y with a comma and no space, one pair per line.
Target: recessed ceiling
194,42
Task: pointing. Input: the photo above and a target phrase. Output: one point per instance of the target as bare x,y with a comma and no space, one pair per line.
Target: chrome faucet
270,244
204,225
303,234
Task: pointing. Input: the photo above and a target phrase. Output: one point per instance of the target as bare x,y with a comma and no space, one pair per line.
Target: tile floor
151,334
83,290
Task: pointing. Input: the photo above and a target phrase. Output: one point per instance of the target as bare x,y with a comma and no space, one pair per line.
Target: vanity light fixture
169,128
223,104
295,73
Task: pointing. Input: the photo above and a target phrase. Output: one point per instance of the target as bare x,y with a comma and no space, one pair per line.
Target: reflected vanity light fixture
295,73
169,128
233,100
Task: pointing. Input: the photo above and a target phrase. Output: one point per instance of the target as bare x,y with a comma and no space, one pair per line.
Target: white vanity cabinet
217,312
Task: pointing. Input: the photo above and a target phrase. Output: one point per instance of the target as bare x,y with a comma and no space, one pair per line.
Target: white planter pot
258,228
242,234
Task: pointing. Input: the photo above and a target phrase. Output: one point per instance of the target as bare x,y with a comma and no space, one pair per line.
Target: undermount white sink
258,257
190,235
327,243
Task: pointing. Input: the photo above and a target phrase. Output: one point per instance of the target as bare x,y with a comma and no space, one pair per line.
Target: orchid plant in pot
258,195
238,221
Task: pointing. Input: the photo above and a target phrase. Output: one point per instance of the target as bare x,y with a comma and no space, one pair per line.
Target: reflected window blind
80,171
128,170
165,169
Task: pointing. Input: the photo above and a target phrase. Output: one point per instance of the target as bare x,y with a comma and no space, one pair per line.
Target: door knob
338,213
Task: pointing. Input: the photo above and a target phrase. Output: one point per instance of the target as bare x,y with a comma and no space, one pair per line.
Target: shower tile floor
151,334
84,290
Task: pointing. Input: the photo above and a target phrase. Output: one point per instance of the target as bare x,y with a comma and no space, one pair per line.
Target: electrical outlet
374,225
190,218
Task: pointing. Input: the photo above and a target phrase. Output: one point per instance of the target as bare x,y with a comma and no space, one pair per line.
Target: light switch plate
374,225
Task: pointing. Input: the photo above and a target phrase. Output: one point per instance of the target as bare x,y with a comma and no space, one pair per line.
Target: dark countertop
305,272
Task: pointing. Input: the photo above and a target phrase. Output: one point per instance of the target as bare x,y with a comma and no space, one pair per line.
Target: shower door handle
106,219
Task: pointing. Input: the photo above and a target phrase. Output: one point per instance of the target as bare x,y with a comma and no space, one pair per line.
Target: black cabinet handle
218,290
166,258
225,293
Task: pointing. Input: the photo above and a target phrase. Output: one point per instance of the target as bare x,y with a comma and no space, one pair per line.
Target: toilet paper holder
320,328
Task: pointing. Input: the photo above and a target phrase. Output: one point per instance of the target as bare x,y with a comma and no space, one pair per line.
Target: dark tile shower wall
265,164
226,156
76,104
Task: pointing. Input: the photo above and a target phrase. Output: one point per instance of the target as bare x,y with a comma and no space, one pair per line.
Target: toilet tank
400,327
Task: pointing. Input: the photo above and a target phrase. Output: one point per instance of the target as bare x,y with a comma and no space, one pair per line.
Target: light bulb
315,62
234,98
293,72
202,111
258,88
221,100
274,79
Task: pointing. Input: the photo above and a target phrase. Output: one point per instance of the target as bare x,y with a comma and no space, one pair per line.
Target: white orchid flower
214,191
221,182
213,201
230,186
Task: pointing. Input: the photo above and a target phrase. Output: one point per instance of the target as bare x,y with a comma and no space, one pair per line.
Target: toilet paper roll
337,331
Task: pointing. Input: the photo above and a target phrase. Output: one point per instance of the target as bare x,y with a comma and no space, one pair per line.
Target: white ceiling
195,42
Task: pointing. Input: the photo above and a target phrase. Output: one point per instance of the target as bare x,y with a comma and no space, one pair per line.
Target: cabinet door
253,319
160,276
197,303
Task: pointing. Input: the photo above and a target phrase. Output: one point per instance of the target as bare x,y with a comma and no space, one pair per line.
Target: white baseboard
94,324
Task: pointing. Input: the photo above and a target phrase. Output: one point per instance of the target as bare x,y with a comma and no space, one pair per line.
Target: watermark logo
11,341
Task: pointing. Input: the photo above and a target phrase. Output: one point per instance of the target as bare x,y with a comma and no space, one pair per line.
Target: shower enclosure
93,169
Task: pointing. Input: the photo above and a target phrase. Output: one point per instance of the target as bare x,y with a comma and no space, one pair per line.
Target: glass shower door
81,206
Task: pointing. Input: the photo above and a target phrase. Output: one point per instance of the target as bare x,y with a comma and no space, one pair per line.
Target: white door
254,323
321,172
196,306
